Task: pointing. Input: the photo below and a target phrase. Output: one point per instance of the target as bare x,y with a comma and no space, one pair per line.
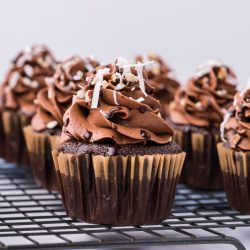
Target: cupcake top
25,77
235,129
161,77
116,107
53,100
203,101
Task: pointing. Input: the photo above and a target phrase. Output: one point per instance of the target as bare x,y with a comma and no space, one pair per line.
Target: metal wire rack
32,218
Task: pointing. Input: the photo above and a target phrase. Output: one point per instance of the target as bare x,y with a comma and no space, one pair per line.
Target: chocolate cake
196,114
23,80
117,163
43,134
234,152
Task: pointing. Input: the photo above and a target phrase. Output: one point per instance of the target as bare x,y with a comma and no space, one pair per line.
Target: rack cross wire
32,218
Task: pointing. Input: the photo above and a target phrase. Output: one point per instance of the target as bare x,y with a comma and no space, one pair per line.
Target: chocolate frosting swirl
125,112
161,77
203,101
53,100
235,129
25,77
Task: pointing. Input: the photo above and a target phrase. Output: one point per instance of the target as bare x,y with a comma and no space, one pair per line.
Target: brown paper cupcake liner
14,148
235,167
1,137
39,147
118,190
201,168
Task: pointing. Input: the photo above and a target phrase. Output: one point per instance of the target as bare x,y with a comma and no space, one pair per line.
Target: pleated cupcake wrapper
1,137
39,147
235,167
201,168
14,148
118,190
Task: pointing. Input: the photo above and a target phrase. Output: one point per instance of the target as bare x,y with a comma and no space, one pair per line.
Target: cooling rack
32,218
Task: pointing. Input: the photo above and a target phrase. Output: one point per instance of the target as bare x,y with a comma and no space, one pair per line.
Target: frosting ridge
53,100
116,106
161,77
235,129
203,101
25,77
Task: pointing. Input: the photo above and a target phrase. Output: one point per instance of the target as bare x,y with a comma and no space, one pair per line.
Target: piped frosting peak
203,101
235,129
25,78
116,106
53,100
160,76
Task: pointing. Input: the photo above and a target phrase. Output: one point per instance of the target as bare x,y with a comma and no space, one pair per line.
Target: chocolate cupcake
234,152
43,135
117,163
162,78
196,114
17,93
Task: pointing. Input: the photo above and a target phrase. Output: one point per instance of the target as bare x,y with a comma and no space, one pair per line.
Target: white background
184,32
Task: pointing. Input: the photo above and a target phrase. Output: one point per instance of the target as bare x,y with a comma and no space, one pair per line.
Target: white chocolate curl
14,77
99,78
139,69
115,98
50,83
223,124
205,67
121,61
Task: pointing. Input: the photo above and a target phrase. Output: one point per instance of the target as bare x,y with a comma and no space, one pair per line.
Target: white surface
184,32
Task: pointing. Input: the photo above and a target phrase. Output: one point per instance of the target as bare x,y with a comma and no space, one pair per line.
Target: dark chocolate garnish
145,134
114,126
87,135
142,109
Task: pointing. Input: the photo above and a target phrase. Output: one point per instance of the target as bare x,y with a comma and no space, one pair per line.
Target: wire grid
32,218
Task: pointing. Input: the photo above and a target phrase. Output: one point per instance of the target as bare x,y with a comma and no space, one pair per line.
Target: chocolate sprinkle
142,109
146,135
66,121
87,135
114,126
